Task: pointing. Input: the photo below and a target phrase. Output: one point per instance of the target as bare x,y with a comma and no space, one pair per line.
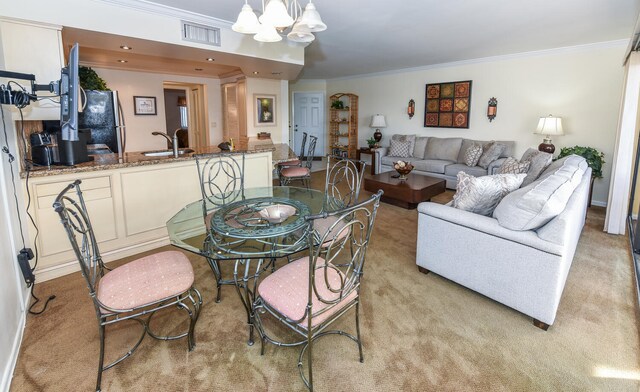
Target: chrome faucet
174,142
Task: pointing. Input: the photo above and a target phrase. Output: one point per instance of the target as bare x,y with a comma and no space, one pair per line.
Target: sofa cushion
490,152
513,166
539,161
420,147
531,207
482,194
400,149
466,143
454,169
431,165
406,138
472,155
443,148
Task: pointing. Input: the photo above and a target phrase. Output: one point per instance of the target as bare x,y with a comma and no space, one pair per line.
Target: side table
371,152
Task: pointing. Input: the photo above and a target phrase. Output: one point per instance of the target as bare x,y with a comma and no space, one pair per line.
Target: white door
308,116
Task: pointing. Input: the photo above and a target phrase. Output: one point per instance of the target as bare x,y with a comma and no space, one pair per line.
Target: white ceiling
381,35
367,36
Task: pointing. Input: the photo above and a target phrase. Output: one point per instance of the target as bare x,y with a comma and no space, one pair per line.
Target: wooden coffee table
405,193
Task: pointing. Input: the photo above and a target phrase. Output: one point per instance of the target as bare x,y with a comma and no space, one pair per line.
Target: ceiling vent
200,33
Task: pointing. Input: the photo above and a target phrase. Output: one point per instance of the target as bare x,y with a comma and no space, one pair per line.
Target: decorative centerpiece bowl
403,168
277,213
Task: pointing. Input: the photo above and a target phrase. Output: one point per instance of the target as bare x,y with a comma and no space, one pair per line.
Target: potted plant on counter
595,160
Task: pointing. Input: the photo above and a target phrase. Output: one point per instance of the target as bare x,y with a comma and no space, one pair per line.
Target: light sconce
411,109
492,109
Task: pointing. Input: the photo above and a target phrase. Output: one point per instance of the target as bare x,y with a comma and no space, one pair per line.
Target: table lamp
549,126
378,121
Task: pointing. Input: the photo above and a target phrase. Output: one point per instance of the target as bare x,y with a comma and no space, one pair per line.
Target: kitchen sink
166,153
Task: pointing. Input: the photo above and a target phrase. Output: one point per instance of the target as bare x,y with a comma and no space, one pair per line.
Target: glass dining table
258,227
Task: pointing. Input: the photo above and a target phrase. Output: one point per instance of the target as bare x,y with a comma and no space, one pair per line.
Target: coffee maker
42,149
48,148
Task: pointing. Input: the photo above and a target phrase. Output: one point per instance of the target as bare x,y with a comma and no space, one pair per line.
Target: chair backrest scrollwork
311,151
221,179
343,182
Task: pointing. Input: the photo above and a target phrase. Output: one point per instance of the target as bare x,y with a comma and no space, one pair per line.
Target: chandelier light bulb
300,34
247,22
267,34
276,15
311,19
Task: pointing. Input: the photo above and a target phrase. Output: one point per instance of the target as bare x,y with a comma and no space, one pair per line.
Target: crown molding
165,10
505,57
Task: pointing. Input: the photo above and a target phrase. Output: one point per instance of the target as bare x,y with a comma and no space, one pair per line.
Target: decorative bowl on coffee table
403,168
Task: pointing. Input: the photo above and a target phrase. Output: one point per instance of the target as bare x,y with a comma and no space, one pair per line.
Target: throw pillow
491,152
539,162
481,195
406,138
472,155
512,166
400,149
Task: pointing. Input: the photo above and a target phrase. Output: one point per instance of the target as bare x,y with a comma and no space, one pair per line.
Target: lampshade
550,126
276,15
300,34
311,19
267,34
247,22
378,121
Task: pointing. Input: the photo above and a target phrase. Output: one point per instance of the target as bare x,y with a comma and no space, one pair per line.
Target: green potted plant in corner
595,160
89,80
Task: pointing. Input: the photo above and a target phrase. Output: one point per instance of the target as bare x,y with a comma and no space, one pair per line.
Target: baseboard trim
7,374
598,203
72,266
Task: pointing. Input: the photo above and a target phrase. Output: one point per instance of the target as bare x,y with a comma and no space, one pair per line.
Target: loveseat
440,157
521,255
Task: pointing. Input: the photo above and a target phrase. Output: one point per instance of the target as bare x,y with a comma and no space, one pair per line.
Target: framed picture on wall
265,110
448,105
145,106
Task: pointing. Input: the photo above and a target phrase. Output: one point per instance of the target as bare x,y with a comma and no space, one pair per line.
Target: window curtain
623,157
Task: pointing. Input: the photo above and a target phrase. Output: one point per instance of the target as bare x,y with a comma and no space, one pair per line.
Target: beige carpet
420,333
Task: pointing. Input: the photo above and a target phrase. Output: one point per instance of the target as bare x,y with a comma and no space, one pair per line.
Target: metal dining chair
294,162
221,182
133,291
301,173
309,294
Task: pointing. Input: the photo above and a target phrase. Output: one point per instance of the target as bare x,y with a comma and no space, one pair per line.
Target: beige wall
280,131
583,85
139,128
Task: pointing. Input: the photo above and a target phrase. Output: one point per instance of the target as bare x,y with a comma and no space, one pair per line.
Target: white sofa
523,269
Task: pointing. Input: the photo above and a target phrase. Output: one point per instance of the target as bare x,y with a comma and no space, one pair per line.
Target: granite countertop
280,152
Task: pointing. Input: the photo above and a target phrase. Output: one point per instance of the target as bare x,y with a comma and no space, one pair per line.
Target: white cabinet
128,208
33,48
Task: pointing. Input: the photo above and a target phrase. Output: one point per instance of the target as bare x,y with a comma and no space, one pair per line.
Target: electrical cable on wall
25,254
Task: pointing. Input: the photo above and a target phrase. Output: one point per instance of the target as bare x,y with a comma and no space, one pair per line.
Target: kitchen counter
280,152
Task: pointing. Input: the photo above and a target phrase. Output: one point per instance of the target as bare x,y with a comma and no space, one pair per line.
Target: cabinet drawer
45,202
54,188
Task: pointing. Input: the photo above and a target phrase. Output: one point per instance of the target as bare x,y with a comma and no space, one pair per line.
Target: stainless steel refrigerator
102,114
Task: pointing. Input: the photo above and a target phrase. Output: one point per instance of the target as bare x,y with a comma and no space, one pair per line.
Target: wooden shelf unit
343,125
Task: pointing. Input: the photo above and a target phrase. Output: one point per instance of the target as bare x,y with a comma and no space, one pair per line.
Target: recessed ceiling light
125,47
276,73
210,59
198,69
122,61
255,72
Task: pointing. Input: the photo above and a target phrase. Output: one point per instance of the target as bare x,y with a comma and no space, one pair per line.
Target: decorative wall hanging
492,109
144,105
448,105
411,109
265,110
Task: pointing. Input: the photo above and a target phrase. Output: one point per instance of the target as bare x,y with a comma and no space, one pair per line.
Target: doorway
308,116
186,111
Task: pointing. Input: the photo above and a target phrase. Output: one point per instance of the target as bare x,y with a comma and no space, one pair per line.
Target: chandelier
277,16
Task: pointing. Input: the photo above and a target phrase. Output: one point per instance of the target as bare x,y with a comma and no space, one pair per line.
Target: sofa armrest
487,225
495,165
380,152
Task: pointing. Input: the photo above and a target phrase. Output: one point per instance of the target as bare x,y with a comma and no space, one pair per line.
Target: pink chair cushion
295,162
146,280
321,226
295,172
287,291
